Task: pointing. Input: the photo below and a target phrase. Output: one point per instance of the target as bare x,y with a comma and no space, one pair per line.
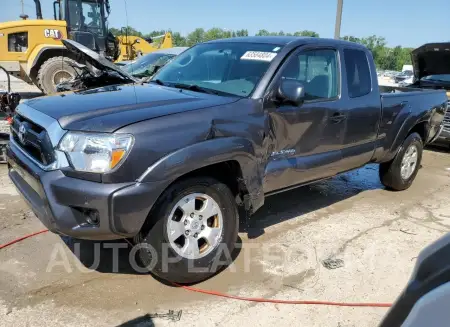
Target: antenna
126,29
126,35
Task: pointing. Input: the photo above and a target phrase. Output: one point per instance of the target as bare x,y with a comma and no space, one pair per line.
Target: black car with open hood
431,59
431,64
96,70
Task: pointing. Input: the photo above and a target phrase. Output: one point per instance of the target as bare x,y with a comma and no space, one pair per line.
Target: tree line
386,58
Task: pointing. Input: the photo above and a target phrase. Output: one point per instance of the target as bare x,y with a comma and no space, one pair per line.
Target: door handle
337,117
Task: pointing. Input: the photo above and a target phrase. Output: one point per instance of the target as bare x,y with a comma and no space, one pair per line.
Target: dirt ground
376,233
26,90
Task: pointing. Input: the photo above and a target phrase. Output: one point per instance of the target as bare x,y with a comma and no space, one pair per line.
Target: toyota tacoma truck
225,124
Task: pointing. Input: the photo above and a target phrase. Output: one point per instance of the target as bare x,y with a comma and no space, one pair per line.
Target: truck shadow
438,148
118,256
287,205
142,321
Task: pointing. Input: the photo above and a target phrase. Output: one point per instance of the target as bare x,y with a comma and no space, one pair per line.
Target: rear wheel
399,173
191,232
54,71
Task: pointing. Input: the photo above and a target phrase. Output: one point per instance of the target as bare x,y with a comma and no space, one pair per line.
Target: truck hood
94,59
109,108
431,59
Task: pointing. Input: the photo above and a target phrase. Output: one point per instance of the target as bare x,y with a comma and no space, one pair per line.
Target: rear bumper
69,206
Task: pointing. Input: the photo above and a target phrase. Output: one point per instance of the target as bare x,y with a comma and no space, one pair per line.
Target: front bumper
66,205
443,137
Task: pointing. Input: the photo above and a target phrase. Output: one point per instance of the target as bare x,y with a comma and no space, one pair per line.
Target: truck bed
384,89
396,100
405,106
417,99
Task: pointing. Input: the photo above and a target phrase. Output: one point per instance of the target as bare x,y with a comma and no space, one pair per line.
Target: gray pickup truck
226,123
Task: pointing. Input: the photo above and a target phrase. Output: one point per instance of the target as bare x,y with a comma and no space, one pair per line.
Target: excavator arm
133,46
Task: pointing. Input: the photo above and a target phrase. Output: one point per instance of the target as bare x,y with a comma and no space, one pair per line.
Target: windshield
86,16
440,78
230,68
147,65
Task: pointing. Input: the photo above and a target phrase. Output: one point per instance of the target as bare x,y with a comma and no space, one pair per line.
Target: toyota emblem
22,132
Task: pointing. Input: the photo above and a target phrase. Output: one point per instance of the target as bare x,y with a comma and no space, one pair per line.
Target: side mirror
291,91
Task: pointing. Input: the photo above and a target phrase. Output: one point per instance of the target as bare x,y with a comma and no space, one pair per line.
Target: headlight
96,153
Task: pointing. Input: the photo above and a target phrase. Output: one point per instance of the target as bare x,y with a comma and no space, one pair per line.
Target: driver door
307,138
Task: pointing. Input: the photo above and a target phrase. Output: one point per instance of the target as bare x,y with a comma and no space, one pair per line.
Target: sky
409,23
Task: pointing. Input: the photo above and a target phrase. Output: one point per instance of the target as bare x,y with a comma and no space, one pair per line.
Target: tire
391,172
155,233
50,72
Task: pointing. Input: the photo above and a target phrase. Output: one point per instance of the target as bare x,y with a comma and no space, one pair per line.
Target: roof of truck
284,40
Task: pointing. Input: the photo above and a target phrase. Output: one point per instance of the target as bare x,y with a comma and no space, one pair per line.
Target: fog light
92,217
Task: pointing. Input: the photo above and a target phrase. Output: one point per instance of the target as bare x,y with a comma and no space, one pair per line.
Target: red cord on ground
262,300
241,298
22,238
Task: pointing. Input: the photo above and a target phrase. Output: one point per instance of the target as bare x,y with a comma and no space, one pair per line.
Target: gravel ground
374,232
26,90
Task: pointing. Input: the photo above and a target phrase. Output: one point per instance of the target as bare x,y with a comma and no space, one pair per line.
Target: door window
86,16
18,42
317,71
92,18
358,73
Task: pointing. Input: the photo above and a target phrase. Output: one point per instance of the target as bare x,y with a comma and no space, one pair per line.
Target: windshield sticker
258,55
276,49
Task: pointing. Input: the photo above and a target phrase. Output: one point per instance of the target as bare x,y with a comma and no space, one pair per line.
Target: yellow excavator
31,49
132,46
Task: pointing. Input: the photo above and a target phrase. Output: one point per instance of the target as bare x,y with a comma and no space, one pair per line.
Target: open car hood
431,59
85,54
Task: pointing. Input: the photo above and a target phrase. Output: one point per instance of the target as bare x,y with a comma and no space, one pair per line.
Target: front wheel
399,173
191,232
54,71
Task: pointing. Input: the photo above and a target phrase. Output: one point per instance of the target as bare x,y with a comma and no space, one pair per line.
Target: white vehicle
407,67
406,81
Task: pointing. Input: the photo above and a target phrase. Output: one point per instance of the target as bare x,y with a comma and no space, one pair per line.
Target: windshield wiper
195,88
157,81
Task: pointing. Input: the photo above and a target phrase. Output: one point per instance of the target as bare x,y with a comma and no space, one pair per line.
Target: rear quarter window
357,68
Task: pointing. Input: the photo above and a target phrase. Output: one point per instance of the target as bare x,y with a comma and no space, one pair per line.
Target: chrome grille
33,139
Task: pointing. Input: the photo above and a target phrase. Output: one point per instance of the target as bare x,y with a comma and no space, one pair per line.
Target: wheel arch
42,54
422,128
411,125
231,160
